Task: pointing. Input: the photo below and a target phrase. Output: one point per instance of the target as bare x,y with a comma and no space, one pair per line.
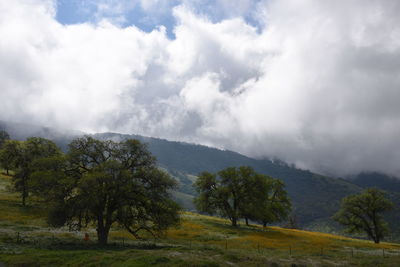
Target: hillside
315,197
375,179
25,240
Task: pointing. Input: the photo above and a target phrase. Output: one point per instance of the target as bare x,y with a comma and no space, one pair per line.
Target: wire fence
11,240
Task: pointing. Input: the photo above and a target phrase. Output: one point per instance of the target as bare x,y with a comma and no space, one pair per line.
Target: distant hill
315,197
376,179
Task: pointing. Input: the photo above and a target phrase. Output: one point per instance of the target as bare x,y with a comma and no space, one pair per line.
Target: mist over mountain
22,131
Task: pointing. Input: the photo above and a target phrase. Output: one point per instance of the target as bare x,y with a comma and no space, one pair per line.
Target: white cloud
318,86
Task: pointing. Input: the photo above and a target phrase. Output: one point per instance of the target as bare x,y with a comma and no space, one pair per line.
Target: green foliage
28,152
50,179
8,154
363,213
105,182
4,136
268,201
242,193
21,156
57,215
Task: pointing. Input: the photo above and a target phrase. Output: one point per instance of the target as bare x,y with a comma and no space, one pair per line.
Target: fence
52,242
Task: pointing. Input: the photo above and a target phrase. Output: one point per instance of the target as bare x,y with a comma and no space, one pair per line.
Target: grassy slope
199,241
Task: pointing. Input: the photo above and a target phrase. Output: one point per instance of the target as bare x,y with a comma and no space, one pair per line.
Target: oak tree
21,155
8,154
4,136
107,183
242,193
362,213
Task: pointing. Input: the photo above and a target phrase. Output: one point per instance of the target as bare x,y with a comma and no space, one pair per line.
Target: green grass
25,240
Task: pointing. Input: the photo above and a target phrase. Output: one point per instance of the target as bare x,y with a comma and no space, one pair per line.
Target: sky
314,83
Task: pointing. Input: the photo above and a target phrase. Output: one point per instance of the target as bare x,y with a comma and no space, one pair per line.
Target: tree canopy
3,137
106,182
8,154
362,213
20,156
242,193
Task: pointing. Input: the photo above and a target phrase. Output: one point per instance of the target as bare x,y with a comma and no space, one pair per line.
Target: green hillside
376,179
26,240
315,198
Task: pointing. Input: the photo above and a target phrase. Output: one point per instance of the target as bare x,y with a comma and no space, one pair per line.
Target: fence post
383,252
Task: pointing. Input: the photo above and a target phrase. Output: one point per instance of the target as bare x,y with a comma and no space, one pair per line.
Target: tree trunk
234,221
23,199
102,231
24,193
373,234
102,237
247,221
375,231
7,171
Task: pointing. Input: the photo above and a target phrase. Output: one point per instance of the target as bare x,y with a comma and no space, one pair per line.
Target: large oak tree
106,182
362,213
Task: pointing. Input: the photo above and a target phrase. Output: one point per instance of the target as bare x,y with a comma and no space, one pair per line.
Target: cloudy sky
315,83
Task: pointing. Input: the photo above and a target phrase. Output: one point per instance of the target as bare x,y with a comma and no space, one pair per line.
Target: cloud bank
317,83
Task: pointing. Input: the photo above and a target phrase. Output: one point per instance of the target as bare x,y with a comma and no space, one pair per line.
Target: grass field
25,240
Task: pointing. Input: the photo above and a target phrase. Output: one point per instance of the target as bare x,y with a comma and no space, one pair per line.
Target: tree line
104,183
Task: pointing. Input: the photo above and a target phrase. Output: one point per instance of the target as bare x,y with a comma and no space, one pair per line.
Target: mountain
315,197
376,179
